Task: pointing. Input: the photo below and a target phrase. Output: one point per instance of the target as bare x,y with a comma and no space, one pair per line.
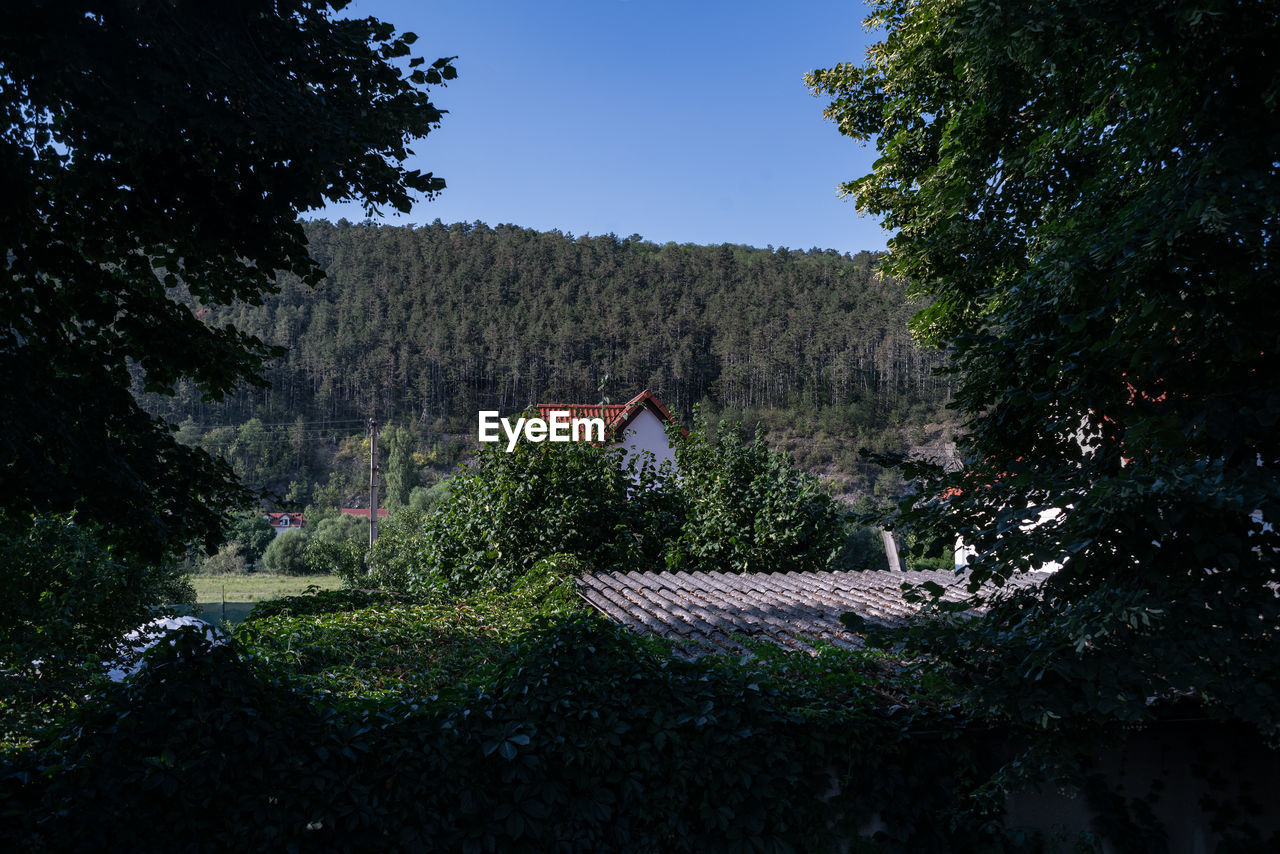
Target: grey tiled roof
709,611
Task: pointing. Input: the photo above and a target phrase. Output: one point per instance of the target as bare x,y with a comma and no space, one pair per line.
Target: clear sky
678,121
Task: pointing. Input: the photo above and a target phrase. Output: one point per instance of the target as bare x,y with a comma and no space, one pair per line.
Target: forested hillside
422,327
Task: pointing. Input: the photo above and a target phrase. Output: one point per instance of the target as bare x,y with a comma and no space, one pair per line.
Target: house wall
647,433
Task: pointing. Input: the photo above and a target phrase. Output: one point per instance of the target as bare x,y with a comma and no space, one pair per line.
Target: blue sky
678,121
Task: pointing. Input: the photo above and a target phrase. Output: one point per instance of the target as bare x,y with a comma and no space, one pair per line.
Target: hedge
538,729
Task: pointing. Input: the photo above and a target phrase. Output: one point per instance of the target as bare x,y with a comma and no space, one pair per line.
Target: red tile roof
616,416
363,512
605,411
276,519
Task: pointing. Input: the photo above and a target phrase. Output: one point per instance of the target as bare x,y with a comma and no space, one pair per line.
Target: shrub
732,506
423,498
346,559
749,509
399,558
575,735
230,558
340,528
67,593
863,547
339,545
360,644
509,510
253,533
286,555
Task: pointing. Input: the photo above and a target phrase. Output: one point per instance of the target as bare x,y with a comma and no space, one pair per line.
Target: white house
640,424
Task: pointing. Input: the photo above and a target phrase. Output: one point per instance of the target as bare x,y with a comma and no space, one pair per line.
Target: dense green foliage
379,646
1088,195
747,508
321,728
253,533
153,155
338,545
338,528
515,721
154,158
229,559
400,472
444,320
727,505
287,554
507,511
68,594
248,539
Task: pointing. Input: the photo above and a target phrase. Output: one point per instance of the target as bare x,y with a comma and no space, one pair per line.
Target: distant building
640,424
281,522
362,512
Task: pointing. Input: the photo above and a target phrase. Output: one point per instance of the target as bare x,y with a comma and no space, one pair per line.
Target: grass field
256,587
229,598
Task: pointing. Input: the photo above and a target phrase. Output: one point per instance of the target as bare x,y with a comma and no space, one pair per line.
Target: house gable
638,425
646,432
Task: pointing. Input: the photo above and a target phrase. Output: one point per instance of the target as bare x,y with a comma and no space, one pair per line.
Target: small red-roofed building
363,512
282,522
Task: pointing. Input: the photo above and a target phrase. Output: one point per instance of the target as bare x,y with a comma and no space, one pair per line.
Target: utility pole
373,481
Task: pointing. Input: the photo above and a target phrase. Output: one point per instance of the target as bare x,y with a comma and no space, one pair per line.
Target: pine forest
421,327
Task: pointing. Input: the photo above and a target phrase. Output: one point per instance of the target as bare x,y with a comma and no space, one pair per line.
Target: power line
338,421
